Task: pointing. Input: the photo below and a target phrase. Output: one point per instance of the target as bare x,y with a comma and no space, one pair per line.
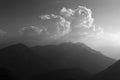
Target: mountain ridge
111,73
24,61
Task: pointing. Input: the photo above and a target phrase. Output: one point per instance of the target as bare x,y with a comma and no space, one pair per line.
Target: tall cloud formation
82,23
56,26
69,24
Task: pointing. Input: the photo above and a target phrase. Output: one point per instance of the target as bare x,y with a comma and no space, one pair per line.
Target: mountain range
66,61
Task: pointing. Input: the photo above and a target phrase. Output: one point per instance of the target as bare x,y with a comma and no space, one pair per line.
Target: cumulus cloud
82,22
31,31
68,24
80,16
56,25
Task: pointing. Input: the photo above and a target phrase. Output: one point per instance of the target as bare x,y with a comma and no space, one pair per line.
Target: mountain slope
63,74
75,55
21,61
111,73
24,62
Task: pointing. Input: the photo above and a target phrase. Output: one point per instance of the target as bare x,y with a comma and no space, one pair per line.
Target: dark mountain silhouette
15,59
45,61
63,74
5,74
75,55
111,73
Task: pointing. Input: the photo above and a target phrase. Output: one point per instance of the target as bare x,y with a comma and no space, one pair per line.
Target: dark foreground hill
65,61
111,73
63,74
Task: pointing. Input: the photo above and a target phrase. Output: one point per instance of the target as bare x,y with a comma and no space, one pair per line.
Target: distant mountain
111,73
109,50
24,62
75,55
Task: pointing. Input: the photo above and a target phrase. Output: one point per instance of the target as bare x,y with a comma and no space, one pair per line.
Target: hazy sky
17,14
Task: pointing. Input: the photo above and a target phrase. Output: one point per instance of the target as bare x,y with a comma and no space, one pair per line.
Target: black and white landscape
59,40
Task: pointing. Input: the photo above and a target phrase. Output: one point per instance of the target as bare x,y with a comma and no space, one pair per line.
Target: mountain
111,73
21,61
75,55
63,74
25,62
5,74
109,50
15,59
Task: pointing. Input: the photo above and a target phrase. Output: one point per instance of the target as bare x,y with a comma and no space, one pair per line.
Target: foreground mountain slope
25,62
111,73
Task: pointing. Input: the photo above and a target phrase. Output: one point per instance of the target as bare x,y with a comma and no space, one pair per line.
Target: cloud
30,31
56,25
69,24
82,23
81,16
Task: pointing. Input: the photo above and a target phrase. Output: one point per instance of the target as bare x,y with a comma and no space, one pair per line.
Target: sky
20,13
25,17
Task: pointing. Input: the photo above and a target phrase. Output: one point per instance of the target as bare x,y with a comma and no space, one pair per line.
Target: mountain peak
16,46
